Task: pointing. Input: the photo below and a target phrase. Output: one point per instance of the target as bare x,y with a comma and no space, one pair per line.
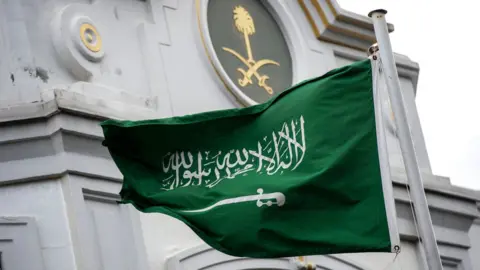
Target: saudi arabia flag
298,175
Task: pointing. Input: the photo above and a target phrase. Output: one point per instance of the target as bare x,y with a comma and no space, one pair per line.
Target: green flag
298,175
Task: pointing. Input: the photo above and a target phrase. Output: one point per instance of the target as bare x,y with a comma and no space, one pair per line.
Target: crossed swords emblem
244,24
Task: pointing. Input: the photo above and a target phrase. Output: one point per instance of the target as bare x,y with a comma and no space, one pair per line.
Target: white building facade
66,65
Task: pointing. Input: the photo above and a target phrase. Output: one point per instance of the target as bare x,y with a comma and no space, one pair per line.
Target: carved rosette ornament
77,40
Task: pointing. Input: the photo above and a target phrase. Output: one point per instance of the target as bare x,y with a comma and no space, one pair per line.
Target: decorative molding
80,47
79,98
14,221
77,40
157,10
100,196
346,30
153,61
54,167
443,203
332,24
19,238
406,68
153,33
445,236
477,221
451,263
436,184
93,210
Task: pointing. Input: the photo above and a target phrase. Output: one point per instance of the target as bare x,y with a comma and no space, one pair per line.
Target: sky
442,39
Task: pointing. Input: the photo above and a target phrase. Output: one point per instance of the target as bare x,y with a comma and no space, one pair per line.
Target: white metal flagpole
422,214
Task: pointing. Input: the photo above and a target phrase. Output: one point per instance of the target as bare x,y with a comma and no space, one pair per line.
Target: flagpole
422,214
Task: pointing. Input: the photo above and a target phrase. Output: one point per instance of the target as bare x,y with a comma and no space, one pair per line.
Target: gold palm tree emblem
244,24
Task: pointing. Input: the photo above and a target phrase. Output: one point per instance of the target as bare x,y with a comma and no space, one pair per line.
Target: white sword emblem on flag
262,199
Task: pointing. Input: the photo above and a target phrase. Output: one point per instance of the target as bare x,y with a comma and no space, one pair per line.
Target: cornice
346,30
331,23
56,100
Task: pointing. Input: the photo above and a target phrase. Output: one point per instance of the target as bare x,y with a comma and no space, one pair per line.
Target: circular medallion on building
90,37
250,48
87,38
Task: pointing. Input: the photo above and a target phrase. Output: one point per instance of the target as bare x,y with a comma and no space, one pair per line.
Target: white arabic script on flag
283,150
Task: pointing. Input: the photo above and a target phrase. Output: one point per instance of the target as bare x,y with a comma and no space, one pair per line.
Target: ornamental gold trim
329,26
90,37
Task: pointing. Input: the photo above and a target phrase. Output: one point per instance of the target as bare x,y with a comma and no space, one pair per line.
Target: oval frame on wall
292,35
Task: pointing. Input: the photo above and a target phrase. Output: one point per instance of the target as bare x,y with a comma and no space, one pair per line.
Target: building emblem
247,49
245,25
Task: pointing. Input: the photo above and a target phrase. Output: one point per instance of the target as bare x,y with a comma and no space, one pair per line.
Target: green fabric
313,147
